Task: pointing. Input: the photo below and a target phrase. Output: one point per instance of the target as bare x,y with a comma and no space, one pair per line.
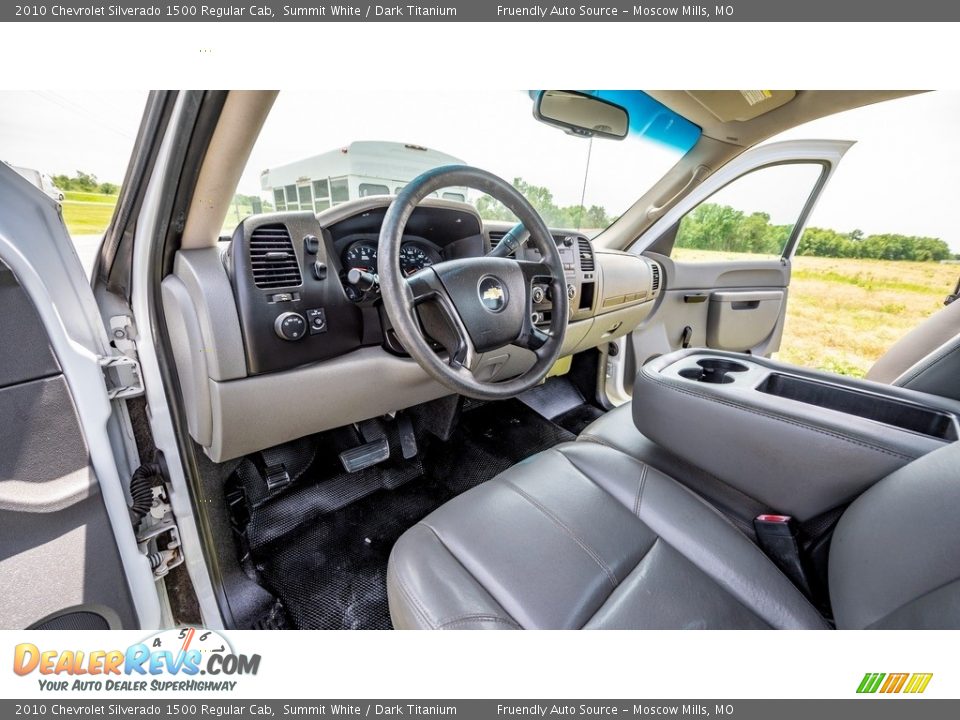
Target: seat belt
777,536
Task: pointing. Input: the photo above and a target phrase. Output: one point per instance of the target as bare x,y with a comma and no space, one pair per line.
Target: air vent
272,259
655,272
495,237
586,255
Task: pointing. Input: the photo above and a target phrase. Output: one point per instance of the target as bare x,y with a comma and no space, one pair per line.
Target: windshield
316,151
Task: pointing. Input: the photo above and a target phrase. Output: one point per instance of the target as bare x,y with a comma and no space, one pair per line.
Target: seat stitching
643,480
506,618
773,416
588,437
477,617
569,531
639,562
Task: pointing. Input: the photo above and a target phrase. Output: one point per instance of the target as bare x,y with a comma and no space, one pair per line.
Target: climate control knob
571,291
290,326
538,294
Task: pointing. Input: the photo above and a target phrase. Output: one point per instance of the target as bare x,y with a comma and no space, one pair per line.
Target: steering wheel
472,306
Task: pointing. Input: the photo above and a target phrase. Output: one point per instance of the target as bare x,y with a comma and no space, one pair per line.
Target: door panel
694,298
68,553
739,300
58,556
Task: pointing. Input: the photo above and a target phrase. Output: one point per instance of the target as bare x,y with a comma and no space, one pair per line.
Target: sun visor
741,105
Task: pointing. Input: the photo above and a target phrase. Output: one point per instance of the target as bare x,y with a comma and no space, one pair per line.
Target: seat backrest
895,555
927,358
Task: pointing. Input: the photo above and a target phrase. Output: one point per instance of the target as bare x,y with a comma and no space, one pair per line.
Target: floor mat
576,419
324,553
559,401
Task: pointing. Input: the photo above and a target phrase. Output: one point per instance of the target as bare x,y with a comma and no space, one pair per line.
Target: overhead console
800,441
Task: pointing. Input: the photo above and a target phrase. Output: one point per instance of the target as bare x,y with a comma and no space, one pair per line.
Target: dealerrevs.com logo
171,660
892,683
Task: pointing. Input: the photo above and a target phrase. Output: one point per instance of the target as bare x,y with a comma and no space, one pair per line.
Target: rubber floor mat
328,566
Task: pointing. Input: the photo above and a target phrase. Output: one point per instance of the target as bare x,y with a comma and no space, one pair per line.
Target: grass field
843,313
87,213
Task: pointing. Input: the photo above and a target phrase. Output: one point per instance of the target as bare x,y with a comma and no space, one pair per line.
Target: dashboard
287,317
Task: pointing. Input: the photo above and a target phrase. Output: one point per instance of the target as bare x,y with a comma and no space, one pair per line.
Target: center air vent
272,259
586,255
655,282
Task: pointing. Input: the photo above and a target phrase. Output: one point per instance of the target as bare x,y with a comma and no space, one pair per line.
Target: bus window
339,190
306,197
291,191
278,199
368,189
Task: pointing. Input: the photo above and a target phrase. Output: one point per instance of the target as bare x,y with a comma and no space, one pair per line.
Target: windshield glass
317,151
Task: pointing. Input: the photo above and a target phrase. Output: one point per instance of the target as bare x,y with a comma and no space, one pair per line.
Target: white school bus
361,169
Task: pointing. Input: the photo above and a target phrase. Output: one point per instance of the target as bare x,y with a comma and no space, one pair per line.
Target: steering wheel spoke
536,271
438,318
533,338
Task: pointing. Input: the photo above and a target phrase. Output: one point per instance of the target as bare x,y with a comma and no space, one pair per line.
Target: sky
902,176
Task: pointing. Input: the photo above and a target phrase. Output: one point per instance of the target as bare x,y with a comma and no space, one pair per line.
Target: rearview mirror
581,114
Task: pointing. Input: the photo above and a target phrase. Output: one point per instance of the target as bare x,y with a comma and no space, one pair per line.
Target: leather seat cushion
616,429
583,535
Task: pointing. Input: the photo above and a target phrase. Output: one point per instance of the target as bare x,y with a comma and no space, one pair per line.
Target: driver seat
586,536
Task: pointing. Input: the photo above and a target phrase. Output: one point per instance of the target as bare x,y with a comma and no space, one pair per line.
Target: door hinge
121,375
159,537
121,372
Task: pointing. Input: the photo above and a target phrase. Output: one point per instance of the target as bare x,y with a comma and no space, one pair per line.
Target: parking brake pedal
366,455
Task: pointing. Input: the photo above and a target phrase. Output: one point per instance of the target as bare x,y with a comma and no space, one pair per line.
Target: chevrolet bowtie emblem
493,295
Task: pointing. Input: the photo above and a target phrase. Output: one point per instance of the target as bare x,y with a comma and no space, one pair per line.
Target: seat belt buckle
778,537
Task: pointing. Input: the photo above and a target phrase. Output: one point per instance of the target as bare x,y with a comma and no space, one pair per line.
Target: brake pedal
366,455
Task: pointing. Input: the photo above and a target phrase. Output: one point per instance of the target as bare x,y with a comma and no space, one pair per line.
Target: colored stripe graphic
894,683
870,682
918,682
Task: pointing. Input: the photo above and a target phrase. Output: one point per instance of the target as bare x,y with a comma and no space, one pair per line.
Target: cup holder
712,370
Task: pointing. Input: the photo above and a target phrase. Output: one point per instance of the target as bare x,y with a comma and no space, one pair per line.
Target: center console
800,441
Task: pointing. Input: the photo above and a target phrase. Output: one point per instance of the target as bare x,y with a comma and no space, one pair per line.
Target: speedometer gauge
413,258
362,256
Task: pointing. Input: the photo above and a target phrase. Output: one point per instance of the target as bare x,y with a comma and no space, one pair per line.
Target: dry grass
843,314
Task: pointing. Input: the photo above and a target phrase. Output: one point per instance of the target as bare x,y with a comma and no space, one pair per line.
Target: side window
368,189
306,197
321,193
339,191
292,203
751,218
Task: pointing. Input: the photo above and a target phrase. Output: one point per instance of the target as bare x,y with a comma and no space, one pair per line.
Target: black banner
484,11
